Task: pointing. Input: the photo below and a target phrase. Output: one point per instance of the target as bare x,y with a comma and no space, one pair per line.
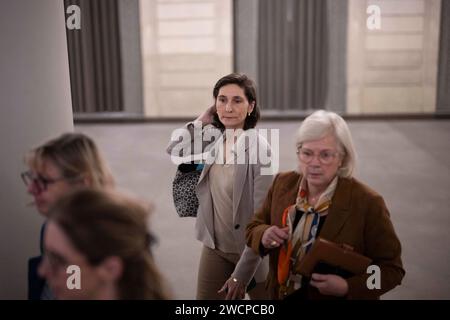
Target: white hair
321,123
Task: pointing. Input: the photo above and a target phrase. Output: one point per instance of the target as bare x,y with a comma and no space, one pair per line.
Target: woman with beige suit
230,189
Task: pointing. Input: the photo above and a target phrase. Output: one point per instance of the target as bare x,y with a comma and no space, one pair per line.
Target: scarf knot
303,233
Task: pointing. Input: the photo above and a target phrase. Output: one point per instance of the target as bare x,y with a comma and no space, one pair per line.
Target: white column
35,104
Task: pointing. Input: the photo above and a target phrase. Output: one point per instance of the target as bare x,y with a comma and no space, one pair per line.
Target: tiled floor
408,162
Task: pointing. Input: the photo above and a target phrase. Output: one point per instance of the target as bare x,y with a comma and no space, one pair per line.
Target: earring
249,114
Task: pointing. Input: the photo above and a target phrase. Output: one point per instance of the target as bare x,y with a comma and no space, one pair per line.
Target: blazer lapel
288,197
290,190
211,158
339,210
241,172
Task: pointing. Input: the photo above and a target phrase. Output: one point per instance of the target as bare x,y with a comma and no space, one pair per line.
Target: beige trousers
215,268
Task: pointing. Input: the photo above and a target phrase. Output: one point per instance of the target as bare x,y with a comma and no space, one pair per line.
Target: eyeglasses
40,182
55,261
325,156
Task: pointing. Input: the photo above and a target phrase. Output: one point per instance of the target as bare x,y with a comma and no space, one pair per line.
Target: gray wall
337,55
443,91
35,105
130,48
246,37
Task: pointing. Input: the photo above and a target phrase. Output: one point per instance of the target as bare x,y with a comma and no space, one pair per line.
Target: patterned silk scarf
302,236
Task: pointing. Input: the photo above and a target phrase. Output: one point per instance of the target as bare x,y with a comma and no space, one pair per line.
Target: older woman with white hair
324,200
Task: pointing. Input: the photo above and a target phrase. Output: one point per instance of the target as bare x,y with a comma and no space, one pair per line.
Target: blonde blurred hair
77,157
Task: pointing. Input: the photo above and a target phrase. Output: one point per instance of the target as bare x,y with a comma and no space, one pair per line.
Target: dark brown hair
249,88
101,224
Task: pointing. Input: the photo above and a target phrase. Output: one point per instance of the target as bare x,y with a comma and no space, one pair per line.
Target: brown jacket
357,216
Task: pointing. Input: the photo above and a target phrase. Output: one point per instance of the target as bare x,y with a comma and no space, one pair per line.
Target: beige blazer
249,191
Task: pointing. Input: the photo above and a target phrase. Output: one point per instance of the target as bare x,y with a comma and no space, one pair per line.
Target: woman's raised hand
207,116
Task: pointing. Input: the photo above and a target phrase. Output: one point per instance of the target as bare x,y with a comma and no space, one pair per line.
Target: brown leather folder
333,254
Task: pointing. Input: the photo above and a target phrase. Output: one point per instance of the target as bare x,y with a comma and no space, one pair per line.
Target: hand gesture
274,236
234,289
329,284
207,116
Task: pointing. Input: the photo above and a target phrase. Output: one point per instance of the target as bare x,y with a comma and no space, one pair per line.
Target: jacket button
237,226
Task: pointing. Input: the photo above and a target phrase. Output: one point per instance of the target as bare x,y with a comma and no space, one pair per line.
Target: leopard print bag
183,189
